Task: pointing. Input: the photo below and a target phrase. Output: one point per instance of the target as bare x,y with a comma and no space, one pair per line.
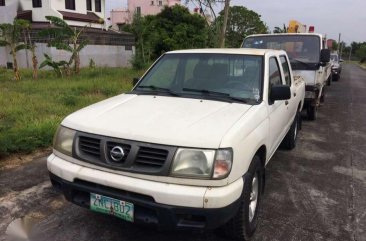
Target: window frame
70,5
36,3
98,6
138,10
2,3
89,5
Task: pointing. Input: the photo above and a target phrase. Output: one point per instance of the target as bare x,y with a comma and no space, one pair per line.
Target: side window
286,70
274,72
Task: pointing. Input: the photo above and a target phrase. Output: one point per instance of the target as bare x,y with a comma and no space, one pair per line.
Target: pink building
143,7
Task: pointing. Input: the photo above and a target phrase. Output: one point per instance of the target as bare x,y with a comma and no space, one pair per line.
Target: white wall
103,55
9,11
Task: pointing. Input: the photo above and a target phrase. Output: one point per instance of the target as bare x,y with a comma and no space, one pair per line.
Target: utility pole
339,42
224,25
350,52
340,55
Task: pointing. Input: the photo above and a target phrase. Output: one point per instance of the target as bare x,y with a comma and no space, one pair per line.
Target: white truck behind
309,59
188,146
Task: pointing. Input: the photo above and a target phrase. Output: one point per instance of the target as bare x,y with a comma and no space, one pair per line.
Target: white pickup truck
309,59
188,146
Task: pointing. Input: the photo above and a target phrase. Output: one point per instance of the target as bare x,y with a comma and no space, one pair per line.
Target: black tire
290,139
329,81
335,77
312,112
241,227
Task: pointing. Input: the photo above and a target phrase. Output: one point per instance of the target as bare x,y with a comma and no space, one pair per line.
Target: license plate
111,206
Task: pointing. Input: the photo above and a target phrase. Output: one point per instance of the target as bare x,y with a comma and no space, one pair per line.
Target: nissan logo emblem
117,153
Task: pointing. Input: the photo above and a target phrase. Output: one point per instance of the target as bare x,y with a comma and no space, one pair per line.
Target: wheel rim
253,197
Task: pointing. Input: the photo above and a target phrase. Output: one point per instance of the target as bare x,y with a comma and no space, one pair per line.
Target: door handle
294,94
286,102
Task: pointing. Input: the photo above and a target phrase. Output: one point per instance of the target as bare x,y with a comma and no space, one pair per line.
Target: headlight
63,140
198,163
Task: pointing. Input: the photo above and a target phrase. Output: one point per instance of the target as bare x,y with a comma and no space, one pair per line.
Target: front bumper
166,206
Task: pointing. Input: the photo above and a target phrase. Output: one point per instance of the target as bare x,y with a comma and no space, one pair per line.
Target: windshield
334,57
213,76
303,50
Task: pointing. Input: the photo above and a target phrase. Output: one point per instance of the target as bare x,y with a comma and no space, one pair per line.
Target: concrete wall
109,56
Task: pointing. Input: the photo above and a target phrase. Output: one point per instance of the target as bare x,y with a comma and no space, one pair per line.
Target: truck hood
159,119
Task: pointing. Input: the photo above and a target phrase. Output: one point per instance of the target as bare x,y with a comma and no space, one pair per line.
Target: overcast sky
329,17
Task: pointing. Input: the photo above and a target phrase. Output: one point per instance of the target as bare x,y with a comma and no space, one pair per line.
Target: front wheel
243,225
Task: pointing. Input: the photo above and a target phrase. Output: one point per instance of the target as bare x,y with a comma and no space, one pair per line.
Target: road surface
315,192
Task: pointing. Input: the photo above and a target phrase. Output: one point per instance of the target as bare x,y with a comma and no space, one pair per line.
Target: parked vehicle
336,64
309,59
188,146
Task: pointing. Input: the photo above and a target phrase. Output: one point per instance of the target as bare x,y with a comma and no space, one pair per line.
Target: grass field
31,110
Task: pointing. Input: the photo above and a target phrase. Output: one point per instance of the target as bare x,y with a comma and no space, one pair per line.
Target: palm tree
11,35
66,38
32,48
280,30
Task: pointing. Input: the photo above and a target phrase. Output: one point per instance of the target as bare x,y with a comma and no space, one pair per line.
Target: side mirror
134,81
280,92
341,60
324,56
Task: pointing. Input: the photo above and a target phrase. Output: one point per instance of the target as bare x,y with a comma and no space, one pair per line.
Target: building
123,16
105,47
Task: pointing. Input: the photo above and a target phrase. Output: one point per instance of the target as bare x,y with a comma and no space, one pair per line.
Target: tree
61,35
32,48
11,35
284,29
241,23
361,53
173,28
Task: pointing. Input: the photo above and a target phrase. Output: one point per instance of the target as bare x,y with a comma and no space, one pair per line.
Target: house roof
26,15
90,17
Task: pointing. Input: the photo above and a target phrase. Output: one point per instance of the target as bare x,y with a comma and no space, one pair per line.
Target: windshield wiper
206,92
153,87
216,94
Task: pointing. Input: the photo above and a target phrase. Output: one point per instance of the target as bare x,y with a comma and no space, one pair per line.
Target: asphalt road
315,192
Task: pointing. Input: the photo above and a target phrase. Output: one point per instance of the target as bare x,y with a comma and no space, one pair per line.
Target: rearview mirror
280,92
324,56
135,80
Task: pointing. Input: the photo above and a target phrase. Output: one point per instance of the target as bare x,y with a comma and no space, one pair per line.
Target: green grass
31,110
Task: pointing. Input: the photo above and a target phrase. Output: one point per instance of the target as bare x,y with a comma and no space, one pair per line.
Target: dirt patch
17,160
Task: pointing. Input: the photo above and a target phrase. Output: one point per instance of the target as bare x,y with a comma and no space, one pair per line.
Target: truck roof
294,34
245,51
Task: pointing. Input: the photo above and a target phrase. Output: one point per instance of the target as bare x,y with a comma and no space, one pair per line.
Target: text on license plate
111,206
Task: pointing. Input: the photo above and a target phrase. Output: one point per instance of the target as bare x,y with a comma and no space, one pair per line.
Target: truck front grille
89,146
139,157
151,157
